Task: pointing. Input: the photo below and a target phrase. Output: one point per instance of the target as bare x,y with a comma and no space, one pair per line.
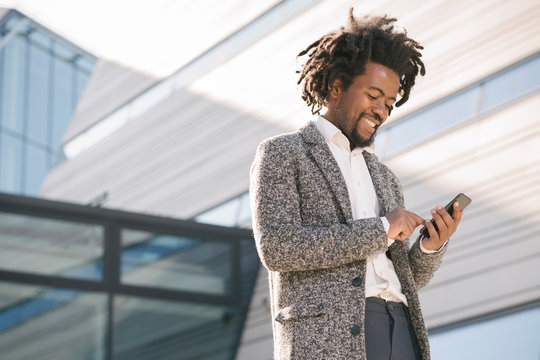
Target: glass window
50,324
38,84
176,262
225,214
244,215
63,52
82,81
513,336
38,95
166,330
38,245
36,169
13,81
12,22
512,84
41,40
431,121
11,161
62,100
84,64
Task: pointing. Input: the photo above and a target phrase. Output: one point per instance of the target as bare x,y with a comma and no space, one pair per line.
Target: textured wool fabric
315,252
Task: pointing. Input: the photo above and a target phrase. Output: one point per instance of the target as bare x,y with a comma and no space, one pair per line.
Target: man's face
363,108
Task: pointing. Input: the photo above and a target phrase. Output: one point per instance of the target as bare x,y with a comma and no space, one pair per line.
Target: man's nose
379,108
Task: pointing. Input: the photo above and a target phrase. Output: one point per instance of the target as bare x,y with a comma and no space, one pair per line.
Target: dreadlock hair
343,54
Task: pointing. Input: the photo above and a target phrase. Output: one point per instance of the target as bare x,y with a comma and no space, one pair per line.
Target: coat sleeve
423,266
283,243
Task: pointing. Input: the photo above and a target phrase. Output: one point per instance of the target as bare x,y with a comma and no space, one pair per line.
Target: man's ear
336,89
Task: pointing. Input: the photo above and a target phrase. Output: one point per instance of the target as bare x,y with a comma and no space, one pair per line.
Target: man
329,218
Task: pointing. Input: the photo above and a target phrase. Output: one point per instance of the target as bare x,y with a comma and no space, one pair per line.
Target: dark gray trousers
389,334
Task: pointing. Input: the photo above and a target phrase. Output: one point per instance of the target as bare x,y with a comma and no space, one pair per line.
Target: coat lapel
319,151
384,194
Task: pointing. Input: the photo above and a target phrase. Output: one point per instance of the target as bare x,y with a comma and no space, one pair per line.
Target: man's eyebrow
382,92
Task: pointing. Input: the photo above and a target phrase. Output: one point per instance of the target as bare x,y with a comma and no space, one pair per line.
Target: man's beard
357,140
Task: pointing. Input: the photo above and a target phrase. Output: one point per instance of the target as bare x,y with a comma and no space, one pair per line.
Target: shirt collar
333,135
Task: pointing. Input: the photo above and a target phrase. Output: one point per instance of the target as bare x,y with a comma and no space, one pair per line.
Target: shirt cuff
431,251
386,226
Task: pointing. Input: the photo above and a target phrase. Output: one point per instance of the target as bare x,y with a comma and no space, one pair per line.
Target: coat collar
318,149
320,152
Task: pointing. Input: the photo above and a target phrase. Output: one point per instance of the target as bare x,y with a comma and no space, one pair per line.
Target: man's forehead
380,78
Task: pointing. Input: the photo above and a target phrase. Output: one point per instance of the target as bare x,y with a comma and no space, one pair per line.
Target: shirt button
356,330
391,307
357,281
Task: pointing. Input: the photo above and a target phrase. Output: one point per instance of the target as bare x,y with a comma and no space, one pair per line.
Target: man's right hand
402,223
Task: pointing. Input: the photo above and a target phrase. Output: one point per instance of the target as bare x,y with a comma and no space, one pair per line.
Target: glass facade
56,247
176,262
46,323
498,90
235,212
42,78
511,335
170,330
79,282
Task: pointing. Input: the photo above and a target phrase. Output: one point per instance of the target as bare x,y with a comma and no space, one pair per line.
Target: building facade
182,147
42,79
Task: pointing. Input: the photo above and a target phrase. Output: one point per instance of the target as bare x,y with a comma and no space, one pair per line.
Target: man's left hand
446,224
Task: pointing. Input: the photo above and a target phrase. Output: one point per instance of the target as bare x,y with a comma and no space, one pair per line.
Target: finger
417,220
410,224
448,220
433,235
443,228
458,213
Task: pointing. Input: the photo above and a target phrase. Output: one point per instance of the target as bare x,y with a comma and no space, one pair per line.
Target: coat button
357,281
356,330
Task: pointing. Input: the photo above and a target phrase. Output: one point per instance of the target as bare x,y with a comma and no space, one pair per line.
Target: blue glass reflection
11,148
514,336
13,80
512,84
499,90
41,82
436,119
36,168
62,101
155,248
27,310
38,104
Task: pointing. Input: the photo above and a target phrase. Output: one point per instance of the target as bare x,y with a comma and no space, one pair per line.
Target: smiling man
329,219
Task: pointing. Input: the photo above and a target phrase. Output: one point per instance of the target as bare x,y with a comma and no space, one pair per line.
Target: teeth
370,123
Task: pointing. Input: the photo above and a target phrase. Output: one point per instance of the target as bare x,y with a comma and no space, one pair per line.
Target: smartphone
463,201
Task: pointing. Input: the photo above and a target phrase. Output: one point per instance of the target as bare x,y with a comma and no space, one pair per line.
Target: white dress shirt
381,279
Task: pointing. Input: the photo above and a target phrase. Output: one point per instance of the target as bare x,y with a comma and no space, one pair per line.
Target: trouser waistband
384,306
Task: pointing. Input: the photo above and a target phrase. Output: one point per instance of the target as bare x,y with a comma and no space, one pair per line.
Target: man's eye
371,96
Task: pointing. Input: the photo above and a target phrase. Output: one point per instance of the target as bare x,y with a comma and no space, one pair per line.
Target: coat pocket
301,310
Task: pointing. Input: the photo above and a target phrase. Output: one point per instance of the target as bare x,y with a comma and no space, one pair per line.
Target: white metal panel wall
493,261
109,87
256,342
180,158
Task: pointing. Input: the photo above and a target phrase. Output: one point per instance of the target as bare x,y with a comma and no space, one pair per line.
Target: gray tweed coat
313,249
